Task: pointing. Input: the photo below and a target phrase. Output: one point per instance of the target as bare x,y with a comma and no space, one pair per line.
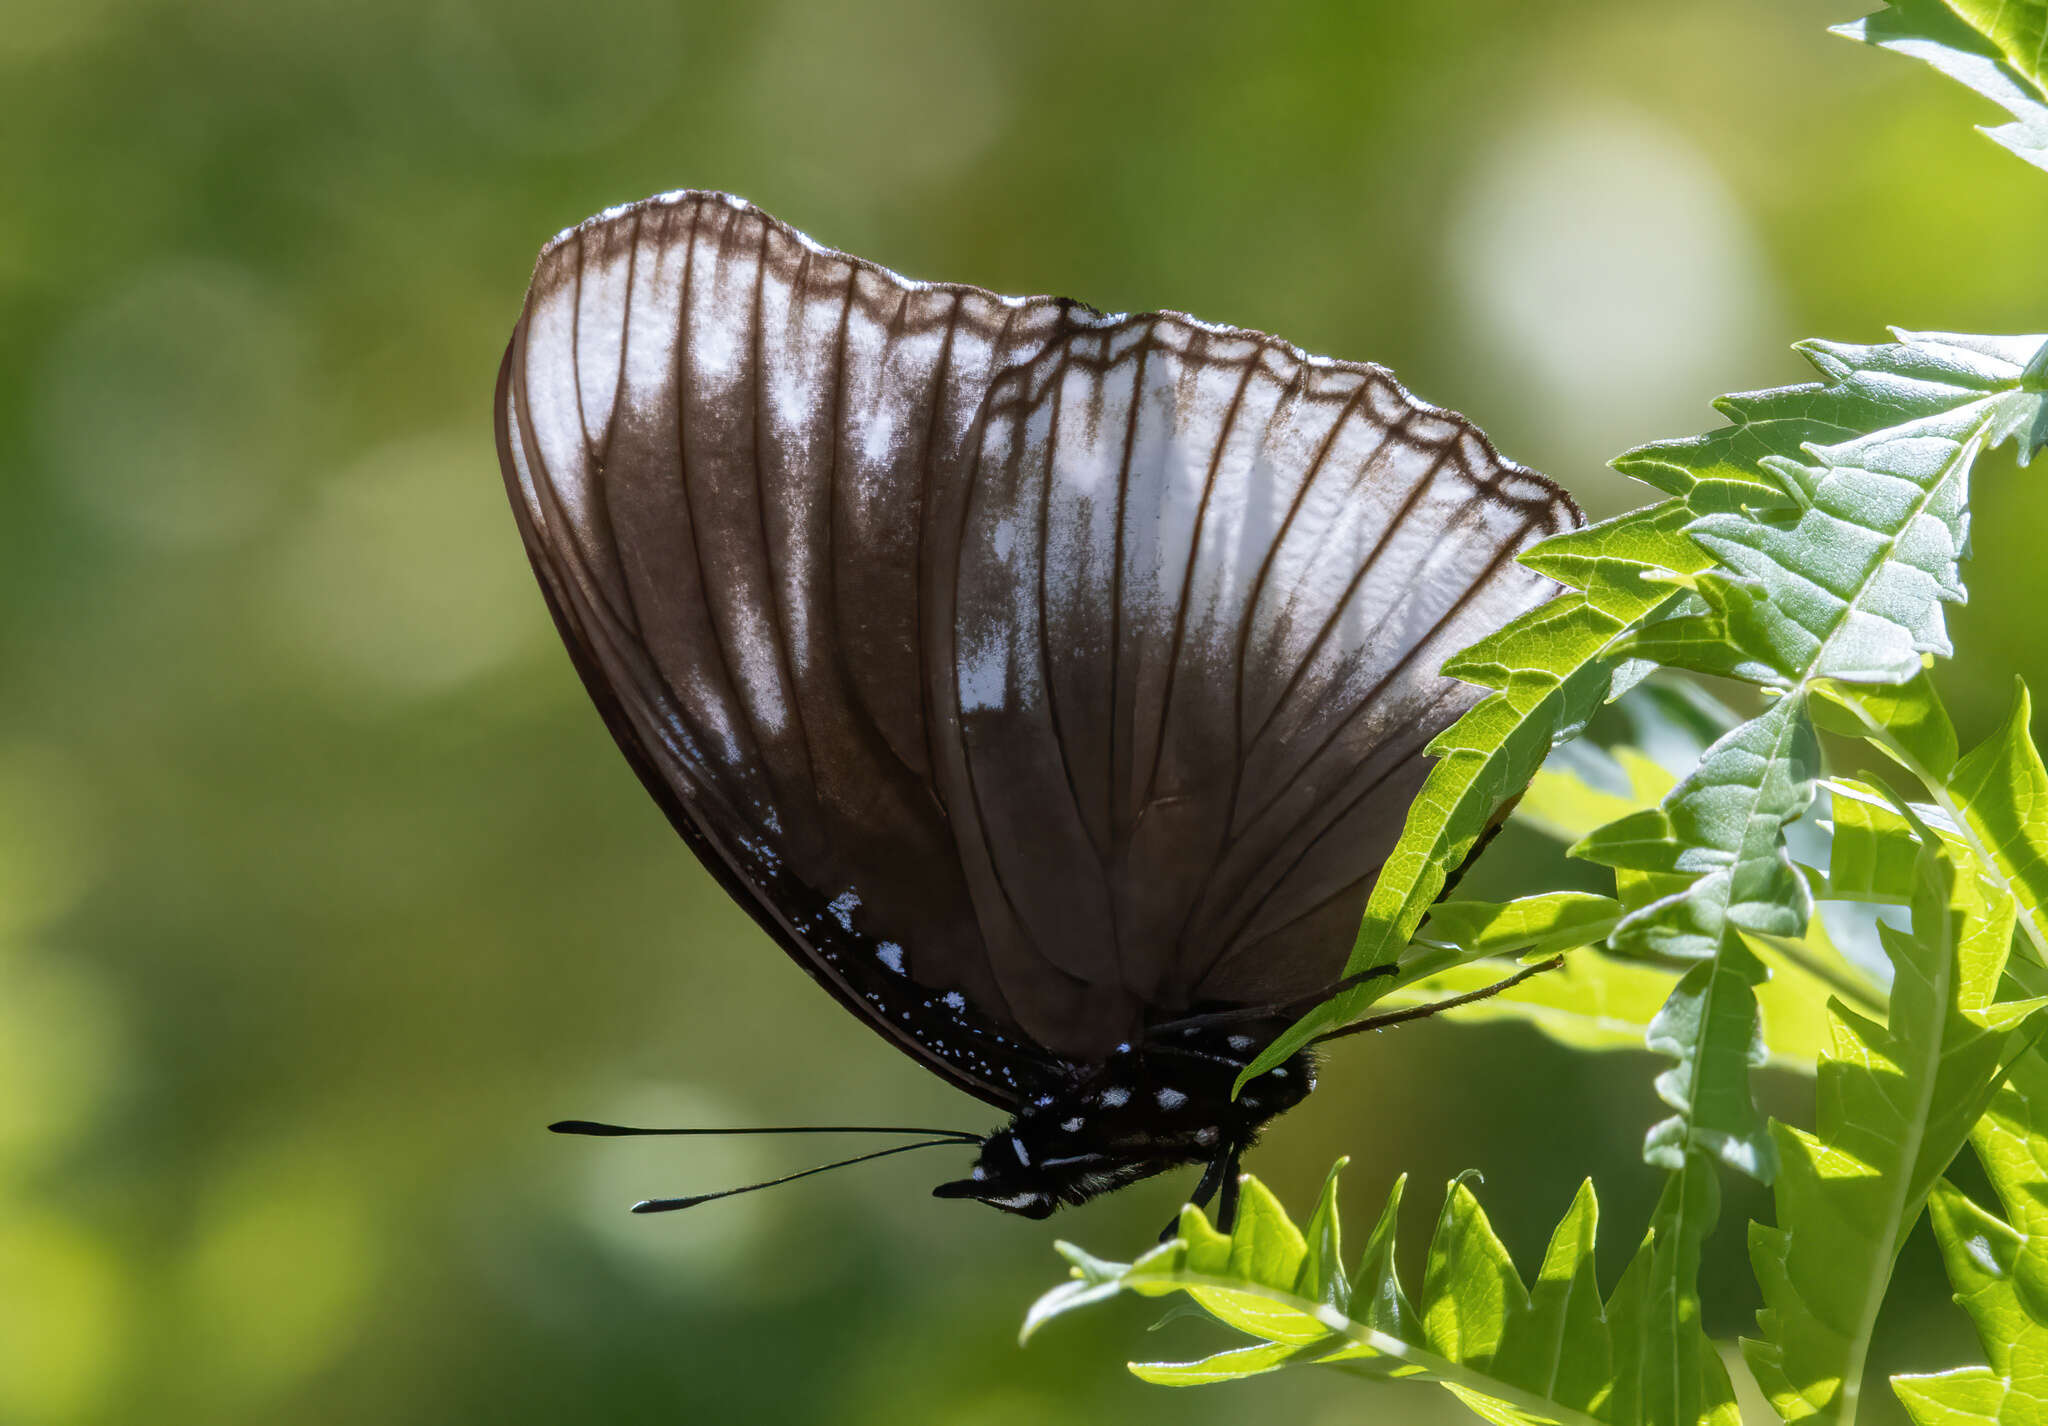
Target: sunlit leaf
1665,1368
2018,27
1991,804
1726,823
1540,925
1847,578
1597,1001
1875,855
1896,1100
1999,1267
1864,389
2001,790
1906,720
1562,803
1842,577
1555,1349
1944,38
1513,1352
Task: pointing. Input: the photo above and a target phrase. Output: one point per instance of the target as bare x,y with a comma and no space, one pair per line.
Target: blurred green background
322,889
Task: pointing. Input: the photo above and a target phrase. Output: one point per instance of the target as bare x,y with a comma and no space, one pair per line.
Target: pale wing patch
1222,580
1097,651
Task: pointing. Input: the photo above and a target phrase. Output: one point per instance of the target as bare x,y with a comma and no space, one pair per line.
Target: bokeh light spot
713,1241
1611,279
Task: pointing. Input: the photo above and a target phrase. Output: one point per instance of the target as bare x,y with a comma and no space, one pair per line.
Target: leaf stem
1380,1344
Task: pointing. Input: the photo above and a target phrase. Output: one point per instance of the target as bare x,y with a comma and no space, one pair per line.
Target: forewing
723,445
1198,604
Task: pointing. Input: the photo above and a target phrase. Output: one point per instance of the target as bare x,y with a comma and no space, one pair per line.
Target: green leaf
1539,925
2018,27
1999,1267
1724,825
1377,1300
2001,793
1991,804
1321,1275
1841,576
1848,582
1561,803
1666,714
1551,671
1602,1002
1906,720
1874,855
1981,45
1582,787
1470,1287
1722,828
1513,1353
1984,1262
1555,1349
1896,1100
1864,389
1665,1368
1793,1001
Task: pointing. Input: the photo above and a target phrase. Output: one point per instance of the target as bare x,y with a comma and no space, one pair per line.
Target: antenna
670,1205
937,1139
620,1131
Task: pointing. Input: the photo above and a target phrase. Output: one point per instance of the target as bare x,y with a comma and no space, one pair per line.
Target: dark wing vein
1220,815
778,617
1187,578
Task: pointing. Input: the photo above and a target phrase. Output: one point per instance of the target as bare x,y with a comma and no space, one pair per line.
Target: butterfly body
1149,1107
1037,678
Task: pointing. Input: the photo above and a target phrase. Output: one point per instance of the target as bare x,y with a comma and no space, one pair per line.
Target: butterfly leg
1219,1177
1226,1201
1212,1180
1282,1010
1437,1007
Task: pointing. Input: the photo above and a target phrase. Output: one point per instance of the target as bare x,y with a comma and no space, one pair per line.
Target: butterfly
1049,684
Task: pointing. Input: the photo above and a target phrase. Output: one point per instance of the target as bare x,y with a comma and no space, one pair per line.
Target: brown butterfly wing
1025,672
1201,596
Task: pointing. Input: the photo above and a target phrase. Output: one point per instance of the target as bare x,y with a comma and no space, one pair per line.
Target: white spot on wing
985,676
